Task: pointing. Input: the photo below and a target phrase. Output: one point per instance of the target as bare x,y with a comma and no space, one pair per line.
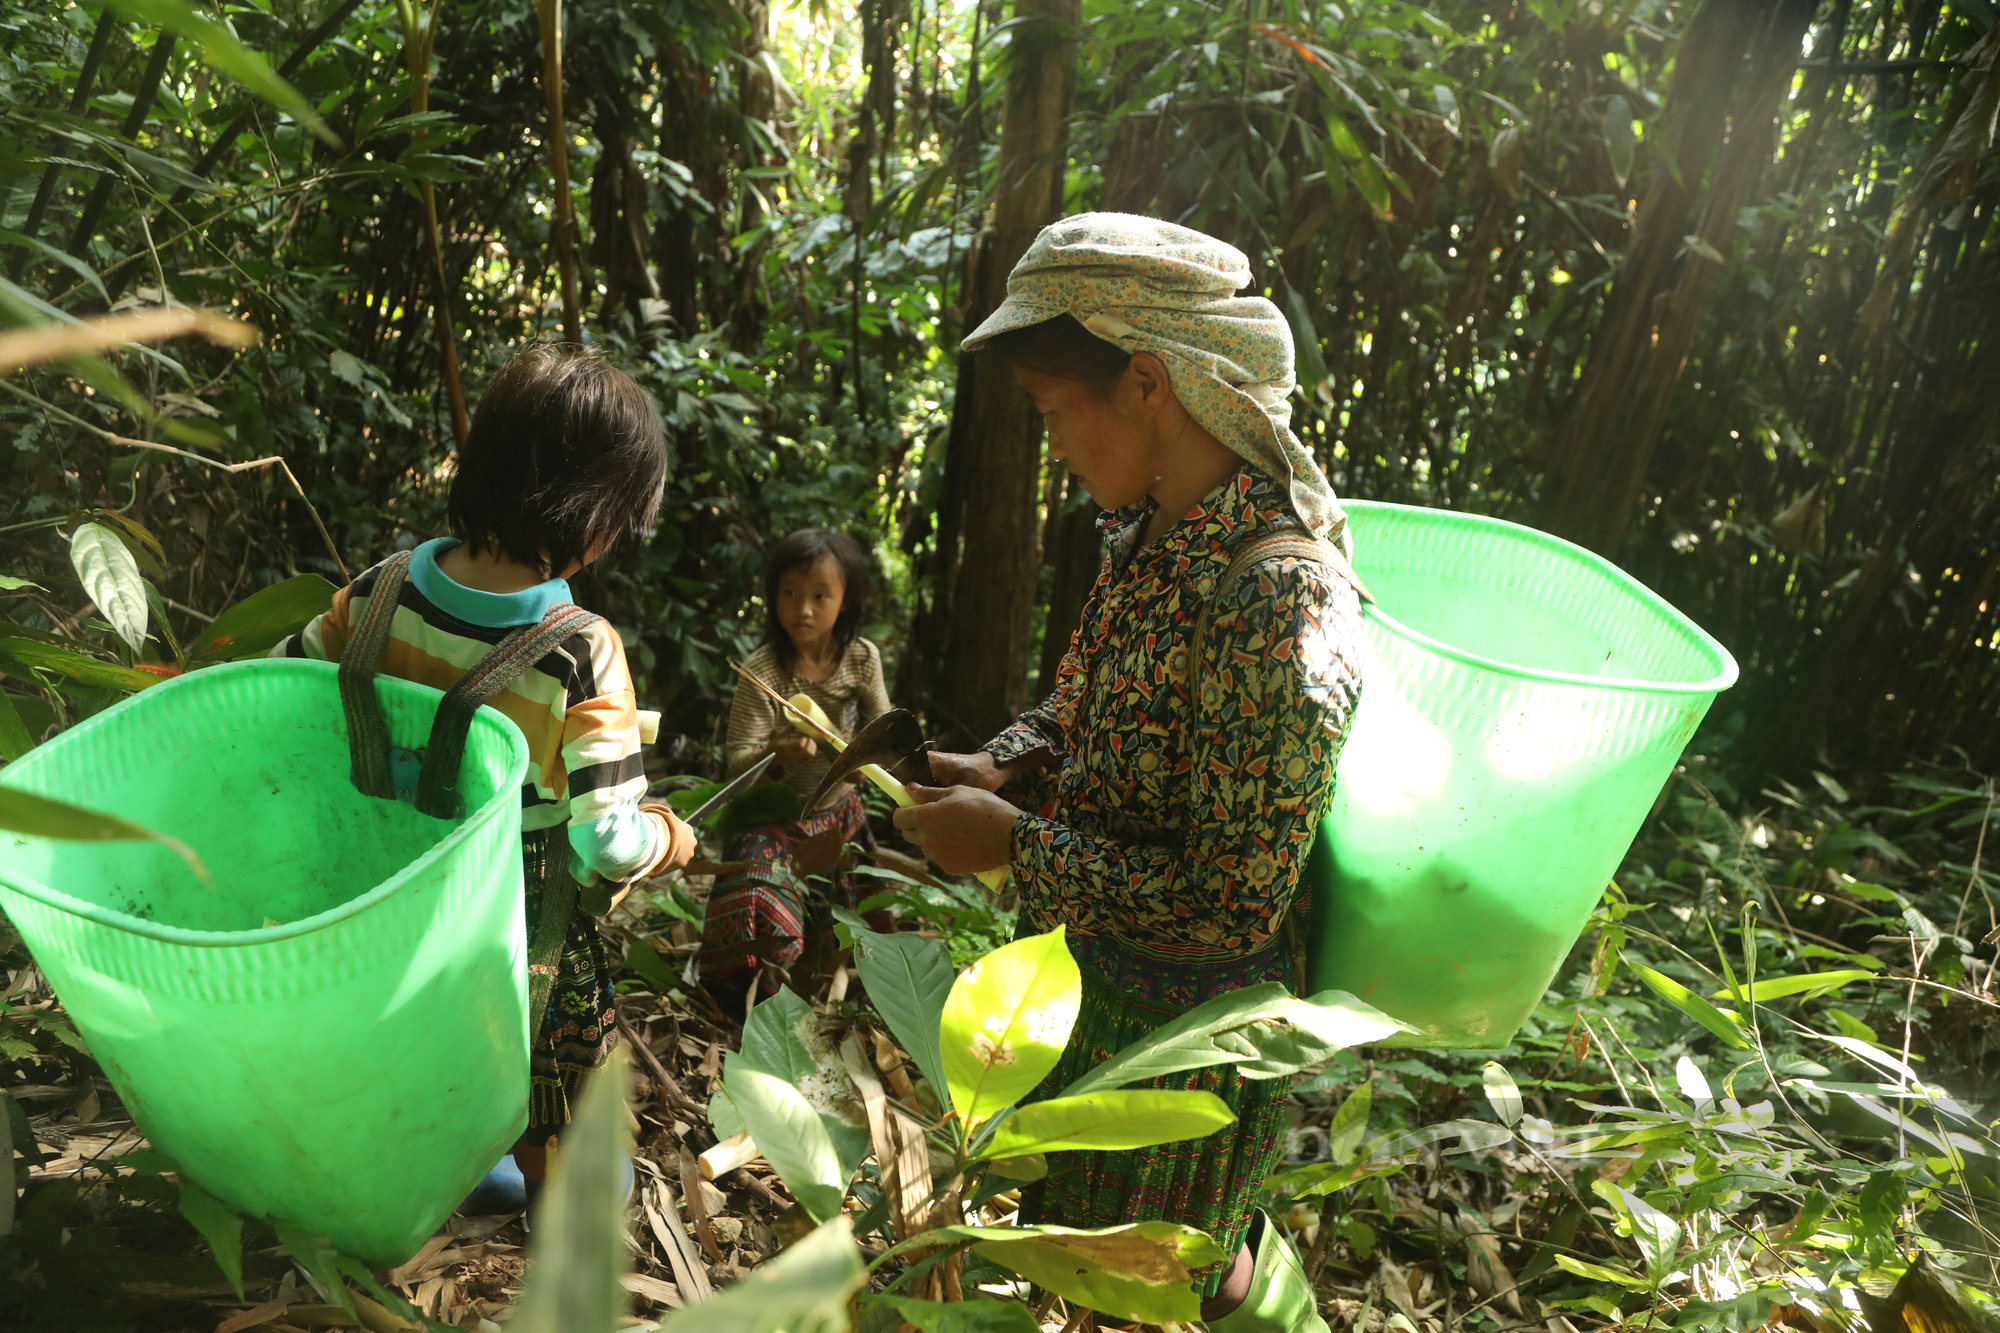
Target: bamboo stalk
563,233
419,40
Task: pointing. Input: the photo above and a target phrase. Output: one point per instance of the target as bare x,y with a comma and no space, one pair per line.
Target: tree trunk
562,229
993,465
1730,76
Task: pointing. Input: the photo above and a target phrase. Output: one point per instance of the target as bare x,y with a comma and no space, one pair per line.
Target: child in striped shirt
565,455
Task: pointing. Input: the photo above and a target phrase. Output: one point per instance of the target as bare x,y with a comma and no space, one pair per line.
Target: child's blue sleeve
613,845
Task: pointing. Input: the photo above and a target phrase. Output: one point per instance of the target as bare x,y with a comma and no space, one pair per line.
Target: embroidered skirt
578,1027
1210,1183
759,915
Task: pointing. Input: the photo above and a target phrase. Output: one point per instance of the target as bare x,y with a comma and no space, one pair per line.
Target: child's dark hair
1063,348
565,454
802,549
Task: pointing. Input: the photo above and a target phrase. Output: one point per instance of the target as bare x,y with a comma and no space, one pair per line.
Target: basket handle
367,733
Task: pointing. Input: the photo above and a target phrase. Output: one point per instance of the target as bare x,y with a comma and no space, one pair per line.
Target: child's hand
792,750
963,829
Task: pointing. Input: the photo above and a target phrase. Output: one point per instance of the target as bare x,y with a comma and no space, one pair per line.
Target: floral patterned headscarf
1152,286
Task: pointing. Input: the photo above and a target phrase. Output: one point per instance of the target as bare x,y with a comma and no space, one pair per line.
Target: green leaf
771,1042
1350,1123
38,816
111,579
315,1254
228,55
1620,143
74,664
15,738
63,257
1112,1120
908,978
1685,1000
1136,1271
803,1290
577,1252
1027,1169
978,1316
1005,1023
1599,1273
221,1226
765,803
1264,1030
8,583
1808,983
787,1130
1657,1235
1502,1092
255,624
644,959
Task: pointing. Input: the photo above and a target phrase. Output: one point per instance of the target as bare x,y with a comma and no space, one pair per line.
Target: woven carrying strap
437,794
367,733
1272,546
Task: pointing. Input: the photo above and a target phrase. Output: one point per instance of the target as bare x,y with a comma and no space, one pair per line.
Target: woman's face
809,598
1111,448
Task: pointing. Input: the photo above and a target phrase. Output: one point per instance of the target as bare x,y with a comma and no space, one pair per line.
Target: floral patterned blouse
1180,828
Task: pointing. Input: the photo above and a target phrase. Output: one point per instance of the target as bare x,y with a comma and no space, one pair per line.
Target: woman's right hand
794,749
977,769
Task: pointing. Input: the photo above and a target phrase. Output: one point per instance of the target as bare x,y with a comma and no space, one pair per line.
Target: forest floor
1433,1241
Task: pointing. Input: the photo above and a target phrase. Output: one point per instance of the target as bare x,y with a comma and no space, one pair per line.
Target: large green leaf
78,666
974,1316
772,1043
577,1252
765,803
1264,1030
1137,1271
908,978
787,1130
111,578
222,50
1005,1023
782,1039
25,812
1809,983
1701,1011
15,738
221,1226
803,1290
1111,1120
255,624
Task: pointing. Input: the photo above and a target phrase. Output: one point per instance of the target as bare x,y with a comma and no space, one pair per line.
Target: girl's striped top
576,706
853,696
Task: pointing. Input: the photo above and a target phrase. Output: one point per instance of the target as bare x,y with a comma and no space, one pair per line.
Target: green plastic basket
1523,703
352,1070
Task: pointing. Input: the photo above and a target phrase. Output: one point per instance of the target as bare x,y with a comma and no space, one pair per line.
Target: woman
1197,717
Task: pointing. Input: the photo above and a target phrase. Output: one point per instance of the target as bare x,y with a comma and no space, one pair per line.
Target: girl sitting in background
815,599
565,456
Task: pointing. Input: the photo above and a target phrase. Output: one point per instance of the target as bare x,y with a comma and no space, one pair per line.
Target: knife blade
730,791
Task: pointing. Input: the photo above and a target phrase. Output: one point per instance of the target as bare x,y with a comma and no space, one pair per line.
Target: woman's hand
979,769
794,749
963,828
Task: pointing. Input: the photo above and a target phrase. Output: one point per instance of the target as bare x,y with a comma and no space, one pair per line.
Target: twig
278,459
654,1069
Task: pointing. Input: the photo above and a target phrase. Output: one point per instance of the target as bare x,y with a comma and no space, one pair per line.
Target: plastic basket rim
230,939
1725,677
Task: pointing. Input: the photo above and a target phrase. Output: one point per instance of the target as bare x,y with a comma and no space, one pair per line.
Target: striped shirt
576,706
853,696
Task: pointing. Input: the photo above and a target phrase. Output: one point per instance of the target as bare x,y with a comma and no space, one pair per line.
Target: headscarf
1151,286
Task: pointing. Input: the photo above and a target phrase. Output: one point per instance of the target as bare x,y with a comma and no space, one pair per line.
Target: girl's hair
1063,348
566,454
804,548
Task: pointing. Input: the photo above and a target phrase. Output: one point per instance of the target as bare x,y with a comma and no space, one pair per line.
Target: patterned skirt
1210,1183
578,1026
759,915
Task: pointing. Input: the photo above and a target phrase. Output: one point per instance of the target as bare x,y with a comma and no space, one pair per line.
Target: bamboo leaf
1808,983
221,1226
255,624
1005,1023
111,579
1113,1121
1598,1272
1685,1000
221,49
1620,143
41,817
577,1252
1502,1092
78,666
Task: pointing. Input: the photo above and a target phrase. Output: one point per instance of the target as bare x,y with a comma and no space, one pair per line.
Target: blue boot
504,1190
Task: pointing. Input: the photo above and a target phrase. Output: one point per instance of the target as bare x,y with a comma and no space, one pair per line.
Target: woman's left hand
963,829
